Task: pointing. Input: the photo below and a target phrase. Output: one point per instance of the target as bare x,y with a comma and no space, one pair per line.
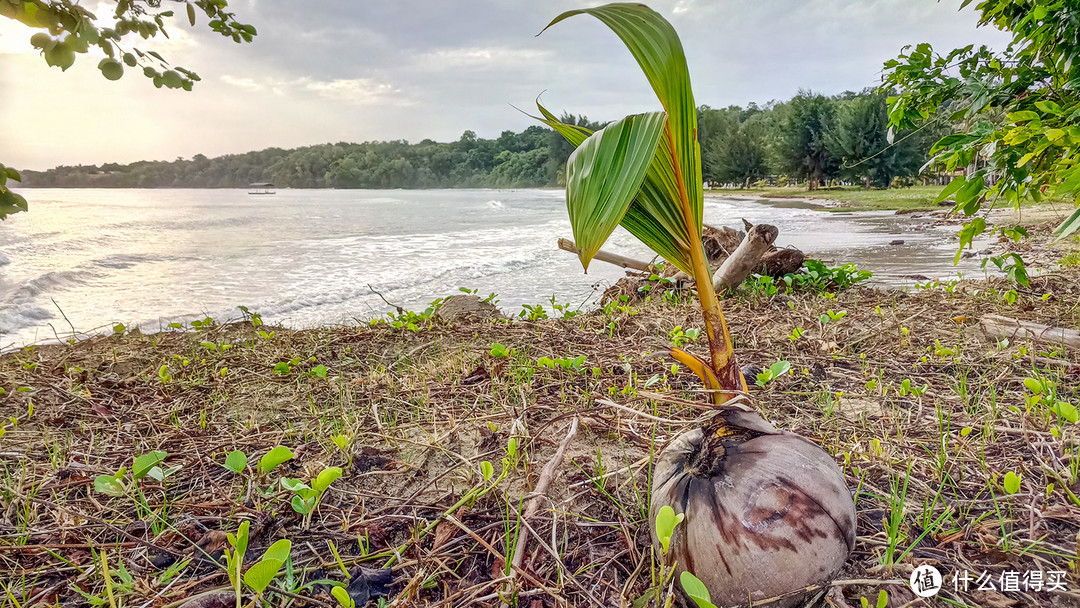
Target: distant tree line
814,139
811,138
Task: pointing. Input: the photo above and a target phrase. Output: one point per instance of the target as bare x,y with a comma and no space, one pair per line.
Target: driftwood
778,262
746,258
720,242
999,327
604,256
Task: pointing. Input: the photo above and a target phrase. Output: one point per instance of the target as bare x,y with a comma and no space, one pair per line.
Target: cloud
412,69
353,90
349,90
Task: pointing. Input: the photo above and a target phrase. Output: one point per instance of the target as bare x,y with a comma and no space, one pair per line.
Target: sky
357,70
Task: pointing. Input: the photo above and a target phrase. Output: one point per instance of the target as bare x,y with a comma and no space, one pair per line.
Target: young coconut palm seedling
767,513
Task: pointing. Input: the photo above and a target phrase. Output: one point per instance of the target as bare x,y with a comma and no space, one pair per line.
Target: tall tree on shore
739,156
802,141
860,139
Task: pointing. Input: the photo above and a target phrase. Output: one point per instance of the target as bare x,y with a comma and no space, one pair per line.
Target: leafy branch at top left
66,29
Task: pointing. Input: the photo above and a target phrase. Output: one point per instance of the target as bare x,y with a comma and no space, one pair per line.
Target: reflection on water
306,257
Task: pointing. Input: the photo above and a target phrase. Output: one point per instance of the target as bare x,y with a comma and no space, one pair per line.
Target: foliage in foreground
1021,107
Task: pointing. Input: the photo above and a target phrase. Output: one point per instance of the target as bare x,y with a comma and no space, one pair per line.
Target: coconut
767,512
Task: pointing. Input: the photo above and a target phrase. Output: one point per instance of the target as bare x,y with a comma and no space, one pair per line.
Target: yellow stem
720,350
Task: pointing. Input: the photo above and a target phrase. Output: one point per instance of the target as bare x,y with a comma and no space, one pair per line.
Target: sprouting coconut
767,513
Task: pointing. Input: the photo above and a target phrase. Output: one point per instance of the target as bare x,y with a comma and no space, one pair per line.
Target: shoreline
895,385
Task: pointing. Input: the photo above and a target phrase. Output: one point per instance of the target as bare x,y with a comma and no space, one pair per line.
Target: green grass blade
604,175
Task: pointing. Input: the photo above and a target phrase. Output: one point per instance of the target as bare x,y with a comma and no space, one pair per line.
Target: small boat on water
261,188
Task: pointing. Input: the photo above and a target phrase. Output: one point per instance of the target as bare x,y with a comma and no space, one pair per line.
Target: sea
83,260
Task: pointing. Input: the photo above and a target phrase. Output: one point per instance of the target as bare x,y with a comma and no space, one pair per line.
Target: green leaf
487,470
191,14
259,576
1069,226
342,596
696,589
147,461
656,46
666,521
1011,483
1070,185
967,196
111,69
604,174
300,505
779,368
236,461
1034,386
968,233
108,484
275,457
12,174
1065,410
61,55
1048,106
950,188
279,550
669,207
293,485
242,535
325,478
1021,116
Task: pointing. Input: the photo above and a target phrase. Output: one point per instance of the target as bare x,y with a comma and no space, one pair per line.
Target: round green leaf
111,69
130,60
275,457
236,461
325,478
1011,483
171,79
41,40
61,55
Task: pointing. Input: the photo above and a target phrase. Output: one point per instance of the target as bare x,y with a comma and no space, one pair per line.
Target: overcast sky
354,70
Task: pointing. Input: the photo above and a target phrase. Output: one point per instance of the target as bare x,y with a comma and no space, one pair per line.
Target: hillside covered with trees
810,138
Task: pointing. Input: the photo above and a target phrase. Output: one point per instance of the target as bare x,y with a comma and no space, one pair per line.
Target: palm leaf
656,47
604,174
1069,226
654,216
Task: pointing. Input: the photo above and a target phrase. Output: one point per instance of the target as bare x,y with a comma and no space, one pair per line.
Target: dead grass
904,391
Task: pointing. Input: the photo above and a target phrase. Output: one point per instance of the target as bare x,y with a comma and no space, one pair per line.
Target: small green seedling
696,589
882,600
234,557
666,520
775,371
262,573
342,596
832,316
1011,482
236,461
146,465
679,336
500,351
306,498
274,457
